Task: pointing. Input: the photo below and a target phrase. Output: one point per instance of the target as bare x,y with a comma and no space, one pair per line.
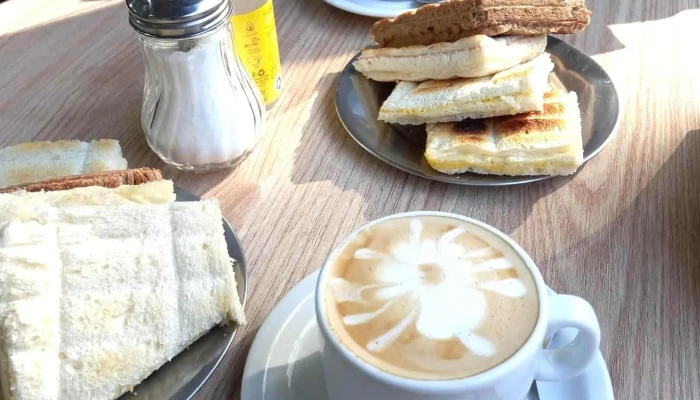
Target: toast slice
517,90
96,298
539,143
142,185
109,179
470,57
38,161
156,192
452,20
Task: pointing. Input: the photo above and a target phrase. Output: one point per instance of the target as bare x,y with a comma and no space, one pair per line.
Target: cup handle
567,362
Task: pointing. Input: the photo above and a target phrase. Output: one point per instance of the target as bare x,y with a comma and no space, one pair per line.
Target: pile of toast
103,276
477,74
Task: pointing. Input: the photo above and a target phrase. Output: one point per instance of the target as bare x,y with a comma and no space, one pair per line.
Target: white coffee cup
348,377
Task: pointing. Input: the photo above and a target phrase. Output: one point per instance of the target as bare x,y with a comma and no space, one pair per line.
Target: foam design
440,277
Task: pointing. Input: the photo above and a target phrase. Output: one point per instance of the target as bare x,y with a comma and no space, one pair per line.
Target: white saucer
284,362
376,8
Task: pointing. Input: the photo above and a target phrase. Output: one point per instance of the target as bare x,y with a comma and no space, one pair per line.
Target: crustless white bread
38,161
97,297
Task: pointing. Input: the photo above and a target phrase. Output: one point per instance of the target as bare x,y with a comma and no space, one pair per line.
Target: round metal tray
358,99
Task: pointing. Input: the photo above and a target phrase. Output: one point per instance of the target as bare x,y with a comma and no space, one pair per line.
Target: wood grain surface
623,233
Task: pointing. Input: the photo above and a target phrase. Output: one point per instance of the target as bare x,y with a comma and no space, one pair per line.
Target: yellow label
255,36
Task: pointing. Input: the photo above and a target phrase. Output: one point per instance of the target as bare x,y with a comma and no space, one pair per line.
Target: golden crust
528,132
471,131
109,179
547,142
535,127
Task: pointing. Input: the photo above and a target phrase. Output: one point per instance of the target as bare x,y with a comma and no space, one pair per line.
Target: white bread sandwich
546,143
38,161
514,91
470,57
99,286
96,298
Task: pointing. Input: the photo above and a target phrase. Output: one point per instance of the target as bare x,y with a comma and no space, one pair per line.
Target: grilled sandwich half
470,57
513,91
538,143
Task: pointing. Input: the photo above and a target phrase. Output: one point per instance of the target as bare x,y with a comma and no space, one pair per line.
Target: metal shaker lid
177,18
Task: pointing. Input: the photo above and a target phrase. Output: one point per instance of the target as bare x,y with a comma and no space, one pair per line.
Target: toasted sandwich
517,90
452,20
538,143
38,161
470,57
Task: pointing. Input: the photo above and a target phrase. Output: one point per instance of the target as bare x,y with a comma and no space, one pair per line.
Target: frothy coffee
430,298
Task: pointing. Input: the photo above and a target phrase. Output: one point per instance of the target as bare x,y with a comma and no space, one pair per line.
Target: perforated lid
177,18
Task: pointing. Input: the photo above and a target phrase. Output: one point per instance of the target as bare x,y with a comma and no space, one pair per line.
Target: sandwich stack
103,276
477,74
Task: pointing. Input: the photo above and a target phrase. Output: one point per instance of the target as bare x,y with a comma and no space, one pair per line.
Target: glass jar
201,109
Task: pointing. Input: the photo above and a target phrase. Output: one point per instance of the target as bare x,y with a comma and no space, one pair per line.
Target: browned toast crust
517,128
109,179
456,19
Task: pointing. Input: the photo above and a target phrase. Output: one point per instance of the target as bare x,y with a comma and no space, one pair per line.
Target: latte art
437,275
425,298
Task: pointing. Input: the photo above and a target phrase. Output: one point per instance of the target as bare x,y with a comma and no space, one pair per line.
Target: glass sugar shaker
201,109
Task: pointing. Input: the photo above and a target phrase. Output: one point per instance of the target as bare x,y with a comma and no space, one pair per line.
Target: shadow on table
25,119
115,73
326,152
303,381
598,38
220,385
302,23
654,246
28,119
317,37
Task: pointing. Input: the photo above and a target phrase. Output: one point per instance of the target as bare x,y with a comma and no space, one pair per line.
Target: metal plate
358,99
376,8
186,374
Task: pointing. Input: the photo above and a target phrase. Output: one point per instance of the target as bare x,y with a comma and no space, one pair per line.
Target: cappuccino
430,298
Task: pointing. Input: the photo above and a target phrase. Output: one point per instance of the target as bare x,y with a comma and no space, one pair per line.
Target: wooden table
624,233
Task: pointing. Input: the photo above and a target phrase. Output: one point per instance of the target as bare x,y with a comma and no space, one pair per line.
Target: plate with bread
456,94
114,283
